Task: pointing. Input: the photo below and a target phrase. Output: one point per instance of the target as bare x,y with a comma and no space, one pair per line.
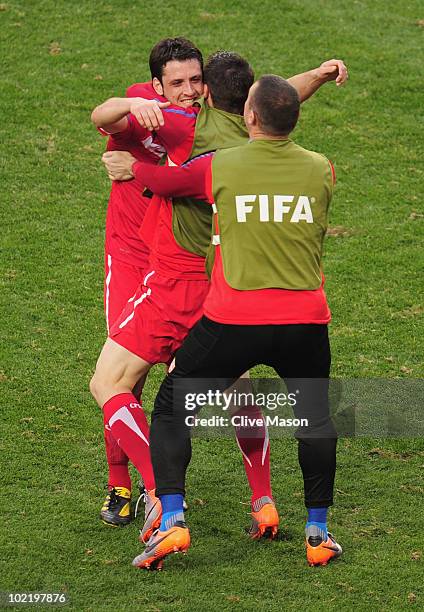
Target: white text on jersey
300,209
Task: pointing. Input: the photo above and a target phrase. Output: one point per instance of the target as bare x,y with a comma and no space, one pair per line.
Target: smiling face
182,82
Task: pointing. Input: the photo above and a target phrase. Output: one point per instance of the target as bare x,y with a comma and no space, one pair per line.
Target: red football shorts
156,320
121,282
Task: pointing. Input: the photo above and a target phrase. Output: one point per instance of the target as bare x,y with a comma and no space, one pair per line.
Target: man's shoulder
232,153
143,90
318,159
189,112
246,153
308,152
223,117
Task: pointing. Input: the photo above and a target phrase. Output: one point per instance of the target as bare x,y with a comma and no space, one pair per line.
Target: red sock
117,461
129,427
253,442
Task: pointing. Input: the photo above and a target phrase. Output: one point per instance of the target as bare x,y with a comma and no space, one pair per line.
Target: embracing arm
191,180
112,114
307,83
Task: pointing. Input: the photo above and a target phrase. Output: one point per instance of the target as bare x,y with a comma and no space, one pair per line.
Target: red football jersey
127,206
167,257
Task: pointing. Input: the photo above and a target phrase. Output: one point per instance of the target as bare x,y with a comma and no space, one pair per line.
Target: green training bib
192,220
272,199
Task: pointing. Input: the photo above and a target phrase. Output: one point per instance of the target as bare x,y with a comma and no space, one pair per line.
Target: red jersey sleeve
132,130
144,90
127,135
177,134
138,141
191,180
136,90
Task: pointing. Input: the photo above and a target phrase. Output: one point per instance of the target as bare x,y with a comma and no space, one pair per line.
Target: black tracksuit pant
219,351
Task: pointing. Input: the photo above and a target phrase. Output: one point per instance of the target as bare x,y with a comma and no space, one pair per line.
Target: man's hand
307,83
119,165
148,112
333,70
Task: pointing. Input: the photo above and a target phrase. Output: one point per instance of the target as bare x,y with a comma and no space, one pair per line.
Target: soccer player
266,304
171,304
177,283
177,76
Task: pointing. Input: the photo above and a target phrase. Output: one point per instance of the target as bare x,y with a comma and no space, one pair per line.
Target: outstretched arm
307,83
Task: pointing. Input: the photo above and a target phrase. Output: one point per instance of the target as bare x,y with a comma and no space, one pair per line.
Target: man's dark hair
229,78
276,104
168,49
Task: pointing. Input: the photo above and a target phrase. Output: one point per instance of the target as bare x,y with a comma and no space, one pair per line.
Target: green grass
59,60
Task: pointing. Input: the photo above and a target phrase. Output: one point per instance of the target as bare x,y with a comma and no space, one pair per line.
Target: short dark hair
168,49
276,104
229,78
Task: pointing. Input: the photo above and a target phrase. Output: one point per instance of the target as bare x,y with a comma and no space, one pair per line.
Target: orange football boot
265,520
152,515
320,552
163,543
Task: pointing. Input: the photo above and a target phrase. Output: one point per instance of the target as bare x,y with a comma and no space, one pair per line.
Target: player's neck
257,134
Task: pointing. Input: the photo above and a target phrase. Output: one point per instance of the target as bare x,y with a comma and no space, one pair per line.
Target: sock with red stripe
117,461
128,425
253,441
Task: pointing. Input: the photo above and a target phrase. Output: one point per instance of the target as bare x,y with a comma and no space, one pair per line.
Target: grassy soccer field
60,59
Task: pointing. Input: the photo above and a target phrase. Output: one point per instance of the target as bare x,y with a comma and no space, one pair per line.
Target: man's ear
207,95
157,86
251,117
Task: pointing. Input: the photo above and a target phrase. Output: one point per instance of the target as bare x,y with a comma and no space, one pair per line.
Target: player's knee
107,382
100,385
94,386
